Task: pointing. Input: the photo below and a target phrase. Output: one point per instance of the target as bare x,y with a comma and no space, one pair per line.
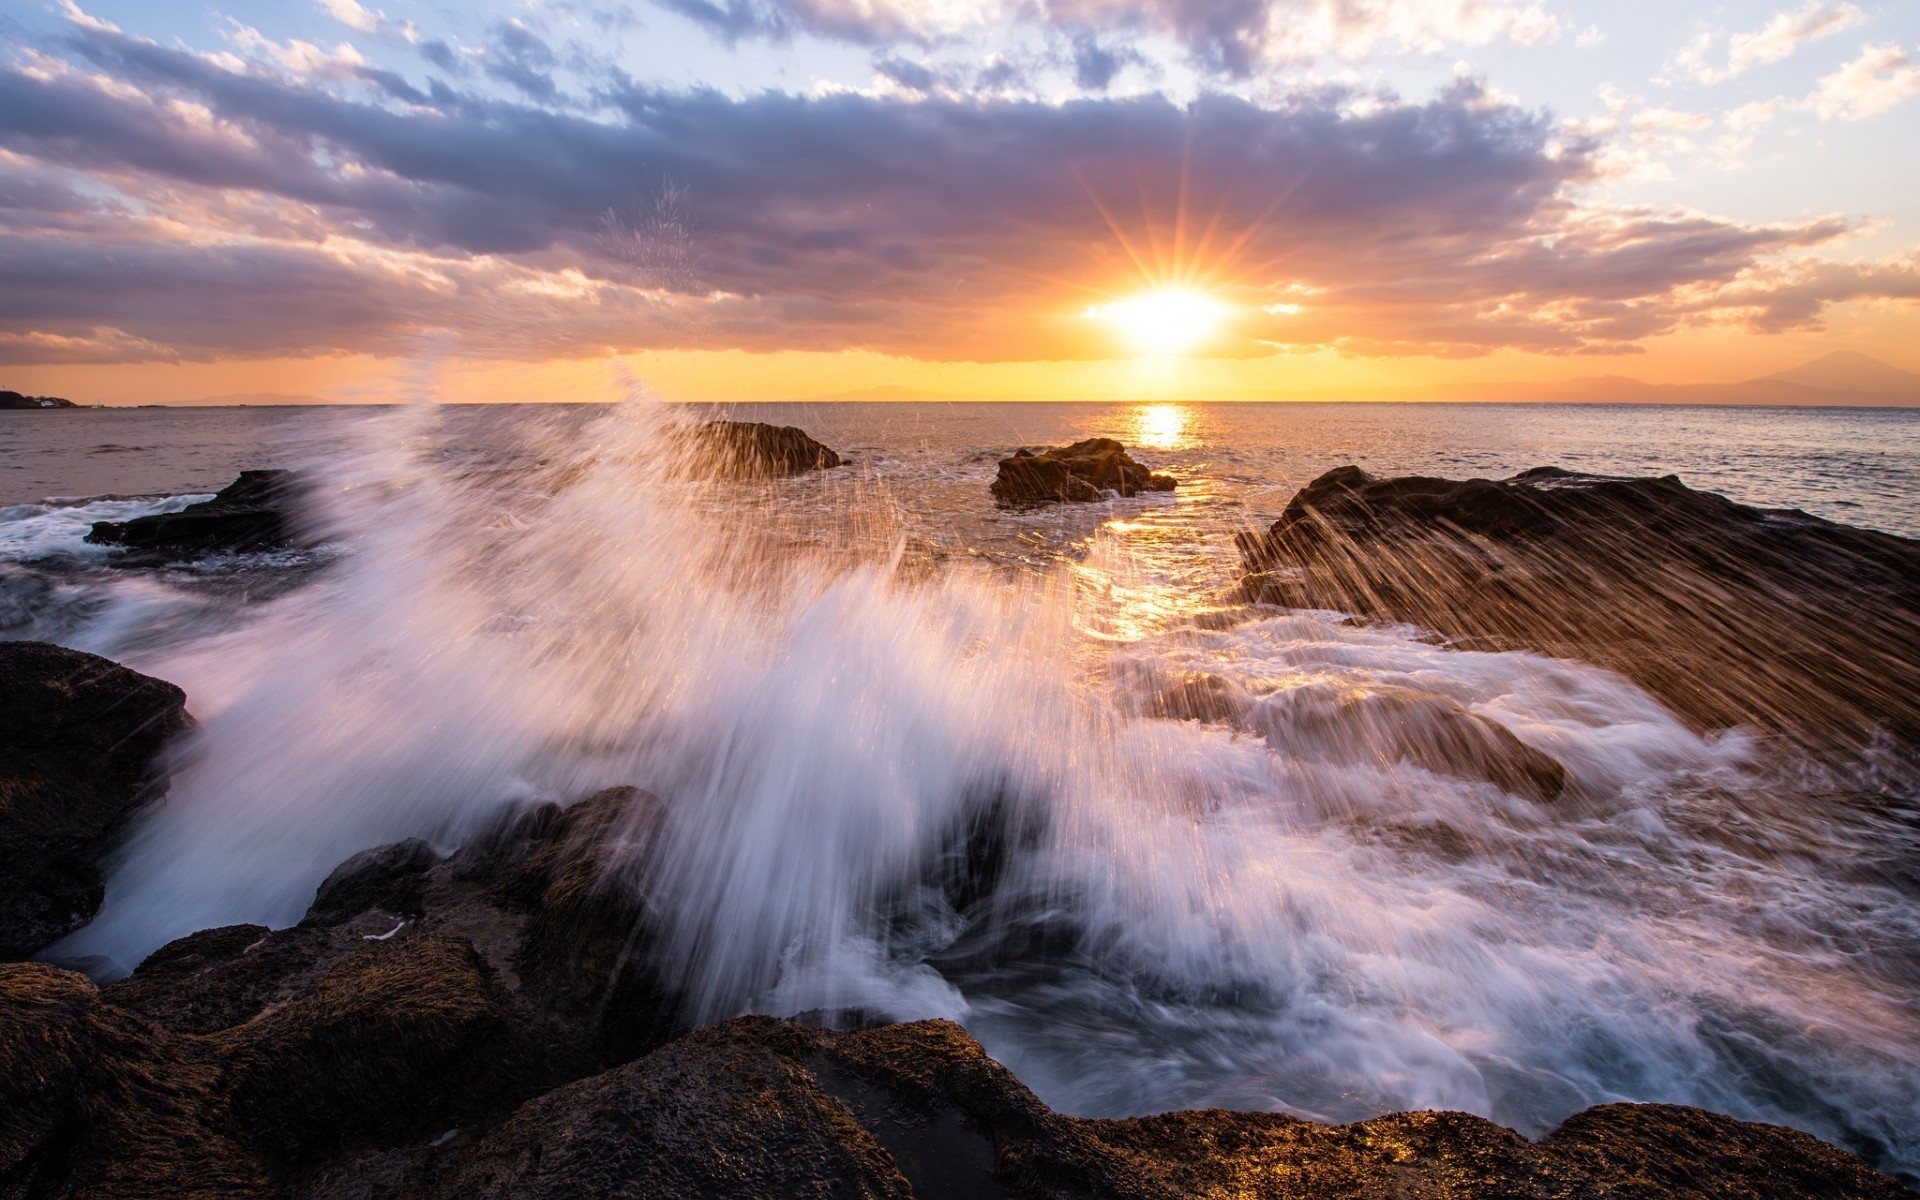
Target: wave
1155,850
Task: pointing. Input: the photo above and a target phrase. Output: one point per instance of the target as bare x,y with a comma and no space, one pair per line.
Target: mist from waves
916,790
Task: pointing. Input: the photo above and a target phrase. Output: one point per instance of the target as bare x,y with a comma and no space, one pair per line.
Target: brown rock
1731,615
755,450
1078,472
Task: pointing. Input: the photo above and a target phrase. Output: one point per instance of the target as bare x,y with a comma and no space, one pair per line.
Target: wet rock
1078,472
79,740
389,878
587,946
1732,615
254,512
755,450
396,1075
1197,696
1400,724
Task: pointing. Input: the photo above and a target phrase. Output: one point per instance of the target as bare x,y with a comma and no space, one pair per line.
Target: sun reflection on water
1160,426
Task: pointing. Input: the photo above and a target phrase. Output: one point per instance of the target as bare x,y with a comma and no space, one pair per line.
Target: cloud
1869,84
1234,38
1785,32
162,204
519,57
351,14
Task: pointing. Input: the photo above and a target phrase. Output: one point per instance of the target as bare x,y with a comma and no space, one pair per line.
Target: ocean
832,679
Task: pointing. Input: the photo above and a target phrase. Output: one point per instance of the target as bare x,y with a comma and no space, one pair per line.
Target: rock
586,948
254,512
389,878
1197,696
16,400
758,1107
395,1044
1731,615
1401,724
211,980
1078,472
406,1071
94,1101
755,450
79,739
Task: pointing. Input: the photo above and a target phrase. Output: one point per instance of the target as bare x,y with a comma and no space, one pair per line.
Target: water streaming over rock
1156,848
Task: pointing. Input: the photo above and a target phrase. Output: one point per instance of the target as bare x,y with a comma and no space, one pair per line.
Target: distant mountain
1850,371
886,392
16,400
257,398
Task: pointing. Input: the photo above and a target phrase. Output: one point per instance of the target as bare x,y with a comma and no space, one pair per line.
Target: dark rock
395,1075
390,878
94,1101
1078,472
390,1046
757,1107
219,978
254,512
1732,615
16,400
587,946
754,450
79,739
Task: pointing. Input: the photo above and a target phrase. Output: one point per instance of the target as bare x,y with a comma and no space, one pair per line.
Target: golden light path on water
1161,426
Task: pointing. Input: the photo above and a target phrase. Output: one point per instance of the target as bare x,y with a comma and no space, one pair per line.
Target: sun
1166,322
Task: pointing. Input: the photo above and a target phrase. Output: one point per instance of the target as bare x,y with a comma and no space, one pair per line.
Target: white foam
1272,917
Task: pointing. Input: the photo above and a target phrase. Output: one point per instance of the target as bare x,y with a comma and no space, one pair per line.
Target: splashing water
917,784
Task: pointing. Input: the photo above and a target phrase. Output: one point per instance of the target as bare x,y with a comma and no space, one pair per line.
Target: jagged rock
79,739
1669,586
254,512
1078,472
755,450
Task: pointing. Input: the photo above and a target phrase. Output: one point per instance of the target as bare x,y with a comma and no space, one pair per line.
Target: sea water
908,750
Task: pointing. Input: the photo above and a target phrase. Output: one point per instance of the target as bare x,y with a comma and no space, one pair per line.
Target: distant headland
16,400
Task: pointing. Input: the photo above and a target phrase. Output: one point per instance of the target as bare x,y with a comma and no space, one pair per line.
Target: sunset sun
1171,321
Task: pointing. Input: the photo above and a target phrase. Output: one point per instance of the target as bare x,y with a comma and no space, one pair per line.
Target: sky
770,199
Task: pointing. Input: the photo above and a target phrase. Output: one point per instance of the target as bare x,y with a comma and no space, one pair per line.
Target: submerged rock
755,450
254,512
79,739
1732,615
1078,472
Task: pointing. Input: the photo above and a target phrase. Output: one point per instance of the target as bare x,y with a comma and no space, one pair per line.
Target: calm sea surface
1860,466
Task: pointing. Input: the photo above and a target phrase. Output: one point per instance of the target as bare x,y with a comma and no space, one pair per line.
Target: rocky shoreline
491,1022
1733,616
